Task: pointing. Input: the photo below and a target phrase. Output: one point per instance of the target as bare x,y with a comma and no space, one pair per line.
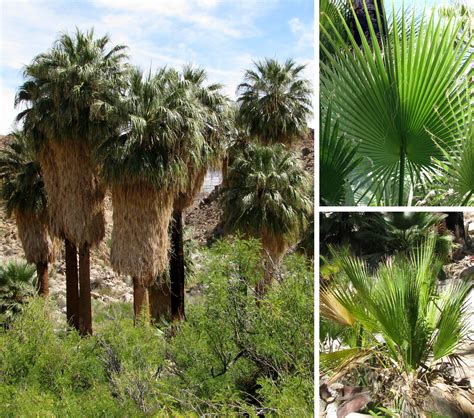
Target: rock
127,297
61,301
305,151
96,281
467,273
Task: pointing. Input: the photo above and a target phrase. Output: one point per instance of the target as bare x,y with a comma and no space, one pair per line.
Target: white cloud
157,33
304,33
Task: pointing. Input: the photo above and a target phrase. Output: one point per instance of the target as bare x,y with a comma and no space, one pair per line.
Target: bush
229,357
229,346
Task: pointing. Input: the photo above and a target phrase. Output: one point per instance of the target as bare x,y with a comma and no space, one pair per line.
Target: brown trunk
140,300
177,267
42,284
160,301
72,286
271,268
85,307
225,170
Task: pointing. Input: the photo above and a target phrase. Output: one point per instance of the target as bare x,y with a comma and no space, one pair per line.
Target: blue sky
223,36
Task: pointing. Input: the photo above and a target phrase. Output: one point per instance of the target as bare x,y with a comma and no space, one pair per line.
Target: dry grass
35,239
140,241
75,194
186,196
274,246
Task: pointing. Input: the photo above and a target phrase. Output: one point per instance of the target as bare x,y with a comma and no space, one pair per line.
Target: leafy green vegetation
229,357
396,87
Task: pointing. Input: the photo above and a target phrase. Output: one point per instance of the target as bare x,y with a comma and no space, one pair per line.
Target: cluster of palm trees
396,105
92,124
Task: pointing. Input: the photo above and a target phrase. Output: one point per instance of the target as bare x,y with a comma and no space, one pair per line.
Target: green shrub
231,357
229,345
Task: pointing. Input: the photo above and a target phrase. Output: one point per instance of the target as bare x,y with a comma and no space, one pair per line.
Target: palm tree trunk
177,267
273,249
85,307
72,285
160,301
42,284
140,300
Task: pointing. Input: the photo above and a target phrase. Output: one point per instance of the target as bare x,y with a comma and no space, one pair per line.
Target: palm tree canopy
267,190
274,101
22,185
162,112
72,90
217,118
395,96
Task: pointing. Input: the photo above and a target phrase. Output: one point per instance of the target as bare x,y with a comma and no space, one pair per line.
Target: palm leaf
395,96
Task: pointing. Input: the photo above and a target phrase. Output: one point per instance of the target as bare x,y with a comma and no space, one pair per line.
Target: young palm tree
274,102
406,86
71,93
401,303
145,169
267,197
22,190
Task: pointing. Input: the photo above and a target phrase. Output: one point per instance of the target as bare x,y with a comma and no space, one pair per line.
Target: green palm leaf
337,159
395,97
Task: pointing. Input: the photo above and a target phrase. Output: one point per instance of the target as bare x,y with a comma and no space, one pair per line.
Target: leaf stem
401,183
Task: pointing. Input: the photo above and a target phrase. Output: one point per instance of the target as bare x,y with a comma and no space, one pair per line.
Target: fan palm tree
274,102
22,190
144,167
71,93
199,157
267,197
406,87
420,325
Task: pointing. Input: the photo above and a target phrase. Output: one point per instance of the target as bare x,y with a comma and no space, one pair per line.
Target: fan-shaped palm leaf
394,96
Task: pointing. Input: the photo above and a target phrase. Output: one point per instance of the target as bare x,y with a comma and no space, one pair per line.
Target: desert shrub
229,346
132,357
231,357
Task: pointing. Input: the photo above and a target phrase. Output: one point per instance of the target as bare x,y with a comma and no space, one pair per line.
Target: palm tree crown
72,90
268,191
275,101
161,112
20,173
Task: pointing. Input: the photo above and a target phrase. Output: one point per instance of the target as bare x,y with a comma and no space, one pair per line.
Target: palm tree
144,167
274,102
398,97
71,93
267,197
23,192
401,303
199,157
